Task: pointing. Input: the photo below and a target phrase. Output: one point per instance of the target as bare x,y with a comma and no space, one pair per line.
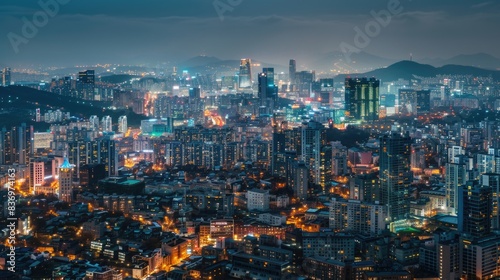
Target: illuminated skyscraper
292,70
362,98
313,137
6,77
85,85
245,76
16,144
395,175
66,181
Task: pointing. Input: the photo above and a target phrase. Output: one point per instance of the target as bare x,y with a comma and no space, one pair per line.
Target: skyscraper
66,181
455,176
85,85
292,70
362,98
16,144
6,80
245,76
313,137
122,124
395,174
278,162
475,209
267,88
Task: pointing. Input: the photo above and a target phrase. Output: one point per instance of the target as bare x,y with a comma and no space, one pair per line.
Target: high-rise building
268,91
245,76
122,124
16,144
6,80
362,98
492,180
66,181
37,174
85,85
107,155
94,123
300,180
339,159
395,175
278,163
313,137
107,124
475,209
455,176
292,70
357,216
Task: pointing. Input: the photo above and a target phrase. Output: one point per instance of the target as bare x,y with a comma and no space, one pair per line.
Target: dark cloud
148,31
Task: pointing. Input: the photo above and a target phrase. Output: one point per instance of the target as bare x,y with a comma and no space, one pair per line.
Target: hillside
409,70
18,104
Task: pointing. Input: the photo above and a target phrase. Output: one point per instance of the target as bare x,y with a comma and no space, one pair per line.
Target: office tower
455,176
486,163
492,180
107,124
313,137
245,76
395,174
258,199
423,101
195,93
300,180
90,174
94,123
85,85
268,91
304,80
475,209
362,98
37,174
122,124
16,144
479,257
107,155
325,91
278,153
292,70
66,181
6,80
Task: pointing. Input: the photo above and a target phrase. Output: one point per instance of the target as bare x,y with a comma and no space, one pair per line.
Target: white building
122,124
258,199
94,123
107,124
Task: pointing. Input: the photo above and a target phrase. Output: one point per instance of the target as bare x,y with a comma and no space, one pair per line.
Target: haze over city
148,32
249,139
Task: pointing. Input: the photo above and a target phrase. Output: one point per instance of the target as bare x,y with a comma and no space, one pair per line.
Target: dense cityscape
246,169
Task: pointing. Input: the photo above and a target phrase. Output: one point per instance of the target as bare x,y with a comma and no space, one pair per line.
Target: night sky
149,31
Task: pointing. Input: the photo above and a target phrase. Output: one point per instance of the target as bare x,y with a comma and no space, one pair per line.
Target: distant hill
409,70
480,60
357,62
18,105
